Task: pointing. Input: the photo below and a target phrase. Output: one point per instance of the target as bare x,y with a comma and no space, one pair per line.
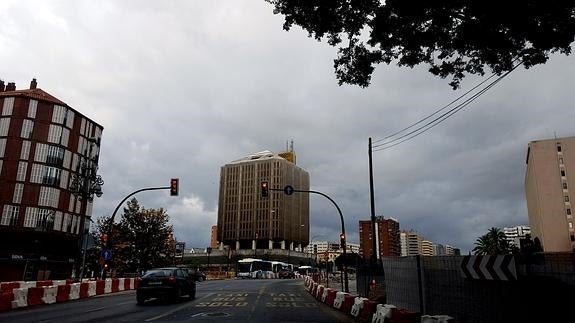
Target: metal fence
542,292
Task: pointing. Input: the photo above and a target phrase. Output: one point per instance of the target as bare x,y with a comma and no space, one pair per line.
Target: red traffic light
265,189
342,236
174,183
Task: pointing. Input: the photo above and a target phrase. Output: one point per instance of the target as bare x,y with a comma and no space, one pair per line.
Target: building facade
48,162
411,242
387,237
214,236
514,234
427,248
549,177
246,220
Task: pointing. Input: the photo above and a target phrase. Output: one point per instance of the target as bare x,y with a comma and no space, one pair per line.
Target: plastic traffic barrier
63,293
20,297
319,292
100,287
330,297
324,294
42,283
108,286
348,302
357,306
74,291
84,290
382,313
314,288
368,310
6,299
50,293
121,284
115,285
8,286
135,282
338,301
404,316
92,288
35,295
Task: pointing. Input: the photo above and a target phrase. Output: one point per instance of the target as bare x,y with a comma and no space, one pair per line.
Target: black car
165,283
286,273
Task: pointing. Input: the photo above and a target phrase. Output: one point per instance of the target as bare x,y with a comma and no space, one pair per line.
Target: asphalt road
273,300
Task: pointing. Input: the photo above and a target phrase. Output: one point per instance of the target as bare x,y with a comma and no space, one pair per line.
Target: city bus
253,268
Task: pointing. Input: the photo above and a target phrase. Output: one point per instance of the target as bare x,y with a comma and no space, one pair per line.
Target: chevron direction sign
501,267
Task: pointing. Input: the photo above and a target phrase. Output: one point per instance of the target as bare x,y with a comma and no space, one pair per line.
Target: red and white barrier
108,286
50,293
91,288
357,306
121,284
20,297
74,291
339,298
382,313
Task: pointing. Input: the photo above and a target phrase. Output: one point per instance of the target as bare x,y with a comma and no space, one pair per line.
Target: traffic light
342,240
265,189
315,249
174,187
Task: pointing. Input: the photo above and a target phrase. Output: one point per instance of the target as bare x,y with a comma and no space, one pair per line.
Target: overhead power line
402,136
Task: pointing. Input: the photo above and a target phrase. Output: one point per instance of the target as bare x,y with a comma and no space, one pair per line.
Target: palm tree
492,243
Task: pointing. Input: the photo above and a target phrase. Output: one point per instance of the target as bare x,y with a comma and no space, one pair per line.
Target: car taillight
171,280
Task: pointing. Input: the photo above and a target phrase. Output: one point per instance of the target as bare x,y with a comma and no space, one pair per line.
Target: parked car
286,273
166,283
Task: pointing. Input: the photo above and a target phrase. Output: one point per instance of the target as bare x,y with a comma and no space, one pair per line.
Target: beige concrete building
427,248
248,221
549,176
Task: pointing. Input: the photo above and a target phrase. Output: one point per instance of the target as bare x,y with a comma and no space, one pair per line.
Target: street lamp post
85,184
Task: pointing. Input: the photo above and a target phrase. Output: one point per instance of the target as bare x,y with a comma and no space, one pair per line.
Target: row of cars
168,283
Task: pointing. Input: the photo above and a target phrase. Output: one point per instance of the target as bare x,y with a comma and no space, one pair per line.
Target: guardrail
21,294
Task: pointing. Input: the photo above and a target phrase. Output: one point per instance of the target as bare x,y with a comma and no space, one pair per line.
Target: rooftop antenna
291,147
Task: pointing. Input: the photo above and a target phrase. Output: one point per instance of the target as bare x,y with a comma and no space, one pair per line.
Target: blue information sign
107,254
288,190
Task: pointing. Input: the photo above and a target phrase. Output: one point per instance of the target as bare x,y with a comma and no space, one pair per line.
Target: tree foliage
492,243
454,38
142,240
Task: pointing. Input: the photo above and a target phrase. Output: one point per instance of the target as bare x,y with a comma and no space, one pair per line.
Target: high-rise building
514,234
387,237
427,248
214,236
549,177
246,220
48,163
439,249
411,243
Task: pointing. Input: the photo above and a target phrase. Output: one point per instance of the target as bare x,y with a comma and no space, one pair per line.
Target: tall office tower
246,220
48,162
387,237
549,176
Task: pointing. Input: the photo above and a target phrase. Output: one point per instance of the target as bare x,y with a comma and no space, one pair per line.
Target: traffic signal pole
288,190
173,189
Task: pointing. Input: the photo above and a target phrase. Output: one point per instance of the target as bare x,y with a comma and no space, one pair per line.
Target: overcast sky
184,87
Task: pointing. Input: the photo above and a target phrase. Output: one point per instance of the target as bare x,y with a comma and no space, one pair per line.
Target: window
10,215
49,196
32,108
566,198
570,225
25,151
58,221
51,176
21,175
70,119
568,211
572,238
2,146
45,220
4,126
55,156
564,185
558,148
8,105
563,173
27,128
59,114
561,161
41,153
54,134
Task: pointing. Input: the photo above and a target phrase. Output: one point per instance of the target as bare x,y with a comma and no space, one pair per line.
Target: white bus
253,268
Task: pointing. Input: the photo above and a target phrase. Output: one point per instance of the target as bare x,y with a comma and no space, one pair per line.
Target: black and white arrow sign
501,267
